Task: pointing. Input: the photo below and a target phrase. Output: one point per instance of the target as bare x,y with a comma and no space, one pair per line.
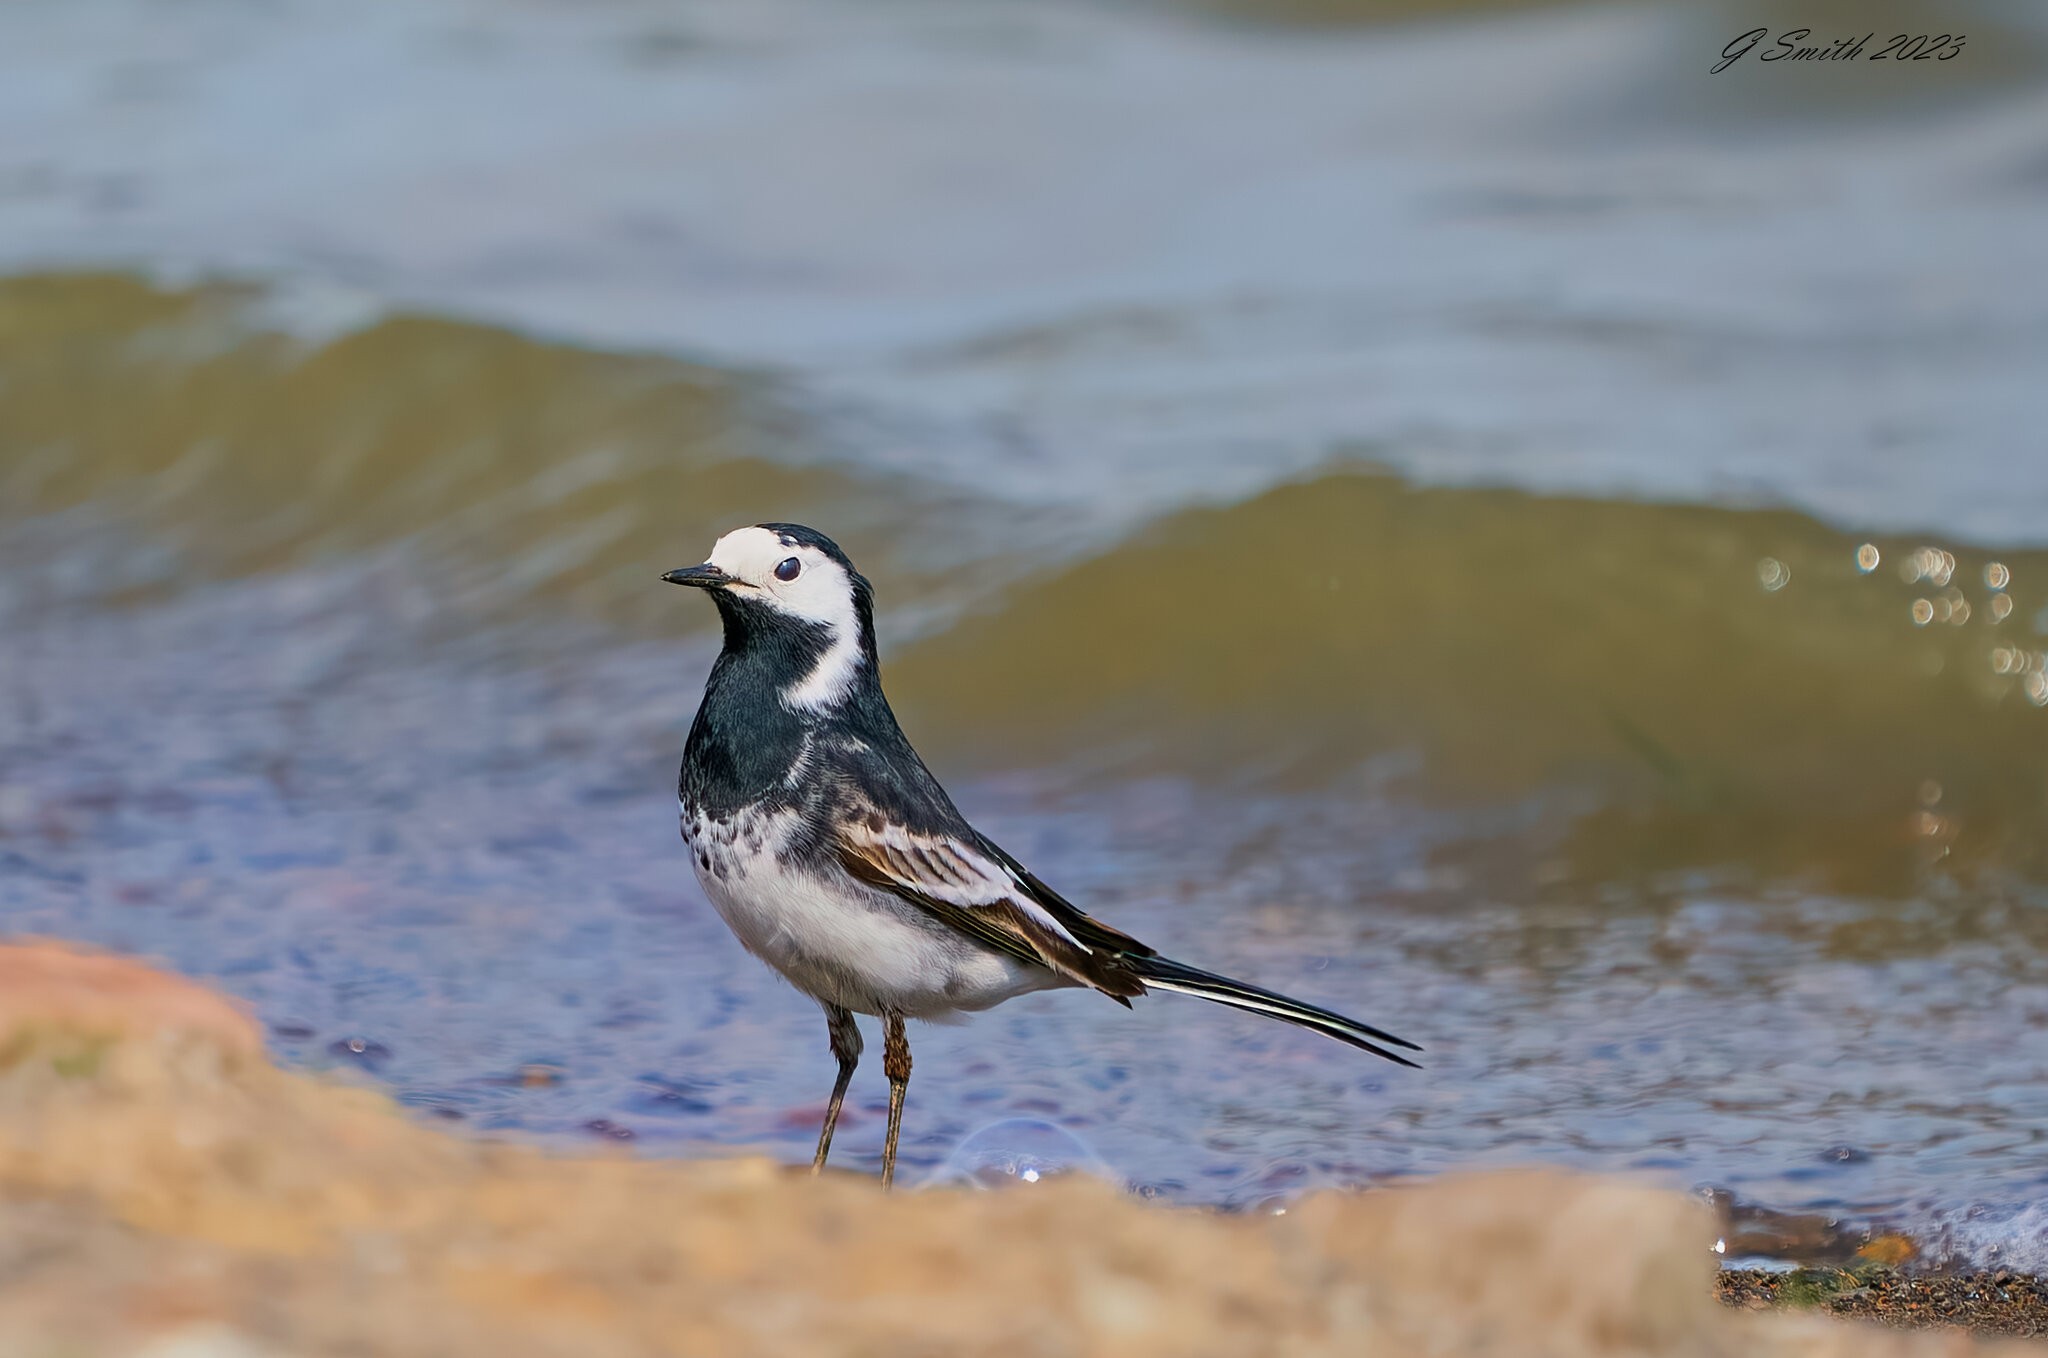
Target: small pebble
1994,1303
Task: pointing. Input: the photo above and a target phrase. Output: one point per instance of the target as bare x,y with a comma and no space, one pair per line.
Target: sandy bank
164,1189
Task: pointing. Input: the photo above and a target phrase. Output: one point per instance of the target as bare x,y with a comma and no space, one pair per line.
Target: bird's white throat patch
821,593
831,679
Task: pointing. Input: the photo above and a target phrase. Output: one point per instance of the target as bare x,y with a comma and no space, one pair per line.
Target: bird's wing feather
1091,931
979,890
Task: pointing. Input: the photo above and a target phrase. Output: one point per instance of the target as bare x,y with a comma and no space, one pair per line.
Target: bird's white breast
837,939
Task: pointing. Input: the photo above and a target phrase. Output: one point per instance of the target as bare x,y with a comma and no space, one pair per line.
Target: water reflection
1018,1151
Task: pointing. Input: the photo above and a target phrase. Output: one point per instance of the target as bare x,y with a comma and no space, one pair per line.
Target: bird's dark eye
788,569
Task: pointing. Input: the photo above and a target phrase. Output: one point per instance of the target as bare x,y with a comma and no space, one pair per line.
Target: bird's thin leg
896,1065
846,1046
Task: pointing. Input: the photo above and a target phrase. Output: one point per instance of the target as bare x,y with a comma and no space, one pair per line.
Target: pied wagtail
836,857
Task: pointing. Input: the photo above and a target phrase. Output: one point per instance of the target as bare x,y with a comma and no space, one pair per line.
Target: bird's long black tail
1161,973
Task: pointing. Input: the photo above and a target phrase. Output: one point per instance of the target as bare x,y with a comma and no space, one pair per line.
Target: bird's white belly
839,940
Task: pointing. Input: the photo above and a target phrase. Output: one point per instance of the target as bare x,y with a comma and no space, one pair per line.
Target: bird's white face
798,580
801,582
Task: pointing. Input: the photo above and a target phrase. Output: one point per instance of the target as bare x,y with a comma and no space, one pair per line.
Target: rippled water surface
1558,571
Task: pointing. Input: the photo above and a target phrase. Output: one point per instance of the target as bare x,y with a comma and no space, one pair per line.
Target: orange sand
166,1191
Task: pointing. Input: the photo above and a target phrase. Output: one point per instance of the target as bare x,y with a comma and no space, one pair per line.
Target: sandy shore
166,1191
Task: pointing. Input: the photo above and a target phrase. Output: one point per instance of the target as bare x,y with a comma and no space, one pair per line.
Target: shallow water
1415,627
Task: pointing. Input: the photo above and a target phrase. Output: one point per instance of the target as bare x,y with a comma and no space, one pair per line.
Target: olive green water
1630,687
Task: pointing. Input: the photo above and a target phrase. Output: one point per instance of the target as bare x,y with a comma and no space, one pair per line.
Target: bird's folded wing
980,894
1092,932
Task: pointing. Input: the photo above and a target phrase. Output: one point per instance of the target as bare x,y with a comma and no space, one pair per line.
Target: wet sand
165,1188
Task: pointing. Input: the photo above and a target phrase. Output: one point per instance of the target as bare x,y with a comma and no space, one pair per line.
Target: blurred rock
202,1341
176,1195
58,986
1889,1251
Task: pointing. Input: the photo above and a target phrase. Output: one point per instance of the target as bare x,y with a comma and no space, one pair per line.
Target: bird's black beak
706,576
